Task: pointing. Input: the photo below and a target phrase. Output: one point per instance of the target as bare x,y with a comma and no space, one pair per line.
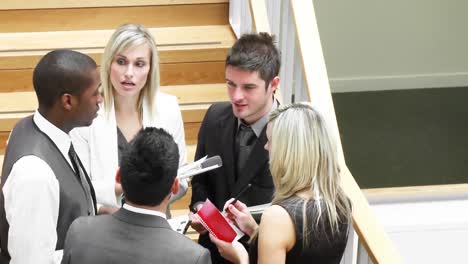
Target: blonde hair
125,37
303,158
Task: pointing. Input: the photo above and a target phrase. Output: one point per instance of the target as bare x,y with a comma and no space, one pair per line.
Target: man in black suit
138,232
235,131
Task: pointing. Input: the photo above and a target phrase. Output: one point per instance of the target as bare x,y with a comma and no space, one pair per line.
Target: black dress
324,247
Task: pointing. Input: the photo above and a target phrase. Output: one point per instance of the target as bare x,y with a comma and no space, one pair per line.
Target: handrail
410,193
371,233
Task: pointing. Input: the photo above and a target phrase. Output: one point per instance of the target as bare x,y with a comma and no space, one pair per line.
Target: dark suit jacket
217,137
128,237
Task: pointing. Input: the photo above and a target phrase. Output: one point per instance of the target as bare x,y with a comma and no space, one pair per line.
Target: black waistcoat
26,139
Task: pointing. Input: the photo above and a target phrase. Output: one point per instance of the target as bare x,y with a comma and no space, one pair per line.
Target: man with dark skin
44,185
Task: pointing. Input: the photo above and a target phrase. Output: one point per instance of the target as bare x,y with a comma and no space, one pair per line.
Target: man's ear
66,101
274,84
175,186
117,176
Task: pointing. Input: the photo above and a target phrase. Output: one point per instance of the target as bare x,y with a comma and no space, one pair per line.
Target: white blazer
97,145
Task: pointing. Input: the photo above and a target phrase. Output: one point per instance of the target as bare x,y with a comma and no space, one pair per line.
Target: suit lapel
256,161
227,128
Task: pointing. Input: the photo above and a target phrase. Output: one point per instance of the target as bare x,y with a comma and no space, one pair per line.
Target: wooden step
194,101
51,4
26,102
190,114
23,50
108,17
171,74
189,55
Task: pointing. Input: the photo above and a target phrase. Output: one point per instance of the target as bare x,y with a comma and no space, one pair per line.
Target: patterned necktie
245,142
81,175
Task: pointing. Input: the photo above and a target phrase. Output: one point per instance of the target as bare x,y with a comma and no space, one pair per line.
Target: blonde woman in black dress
309,219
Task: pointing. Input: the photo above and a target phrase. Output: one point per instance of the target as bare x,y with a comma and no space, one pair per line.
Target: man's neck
55,119
265,111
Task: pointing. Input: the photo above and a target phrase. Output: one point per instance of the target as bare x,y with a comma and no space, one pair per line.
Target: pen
240,193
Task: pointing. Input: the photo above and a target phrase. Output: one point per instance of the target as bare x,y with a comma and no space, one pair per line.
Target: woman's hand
195,223
234,252
239,215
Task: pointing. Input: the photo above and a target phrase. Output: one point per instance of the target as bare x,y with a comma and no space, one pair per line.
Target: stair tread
175,44
24,42
15,5
190,96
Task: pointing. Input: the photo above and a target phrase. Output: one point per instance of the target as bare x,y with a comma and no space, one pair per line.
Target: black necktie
245,142
81,176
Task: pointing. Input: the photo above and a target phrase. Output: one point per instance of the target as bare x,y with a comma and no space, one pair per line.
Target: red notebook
212,219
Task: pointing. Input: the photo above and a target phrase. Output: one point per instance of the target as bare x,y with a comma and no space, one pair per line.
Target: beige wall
394,44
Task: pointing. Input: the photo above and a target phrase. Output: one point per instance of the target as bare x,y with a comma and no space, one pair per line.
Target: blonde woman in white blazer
129,83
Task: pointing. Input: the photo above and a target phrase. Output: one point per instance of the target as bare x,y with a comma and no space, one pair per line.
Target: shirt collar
61,139
258,126
143,211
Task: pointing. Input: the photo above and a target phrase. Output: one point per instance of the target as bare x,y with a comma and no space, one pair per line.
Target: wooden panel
3,139
192,73
167,54
171,74
18,81
95,39
25,4
191,152
112,17
186,94
198,93
18,102
191,132
190,113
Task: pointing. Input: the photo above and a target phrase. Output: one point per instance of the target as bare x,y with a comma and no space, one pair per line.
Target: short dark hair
62,71
256,52
149,166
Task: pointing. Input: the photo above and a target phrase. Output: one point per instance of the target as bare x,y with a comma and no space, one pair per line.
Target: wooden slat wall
25,4
112,17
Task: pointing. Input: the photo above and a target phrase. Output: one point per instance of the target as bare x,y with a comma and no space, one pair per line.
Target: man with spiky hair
235,131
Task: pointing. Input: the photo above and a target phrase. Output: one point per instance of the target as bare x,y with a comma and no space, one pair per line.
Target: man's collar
143,211
60,138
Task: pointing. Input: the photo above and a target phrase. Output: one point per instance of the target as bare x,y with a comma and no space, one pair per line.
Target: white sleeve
31,207
179,135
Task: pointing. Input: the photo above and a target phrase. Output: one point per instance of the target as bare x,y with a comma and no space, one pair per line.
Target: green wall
405,137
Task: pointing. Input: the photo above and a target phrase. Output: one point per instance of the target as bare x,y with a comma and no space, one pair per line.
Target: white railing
304,78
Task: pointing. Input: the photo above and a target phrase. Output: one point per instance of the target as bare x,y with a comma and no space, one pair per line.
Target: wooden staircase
193,38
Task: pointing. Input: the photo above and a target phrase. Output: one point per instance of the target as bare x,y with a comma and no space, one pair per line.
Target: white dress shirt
32,194
143,211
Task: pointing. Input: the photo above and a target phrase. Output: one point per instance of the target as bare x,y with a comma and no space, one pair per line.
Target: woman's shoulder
275,213
165,99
